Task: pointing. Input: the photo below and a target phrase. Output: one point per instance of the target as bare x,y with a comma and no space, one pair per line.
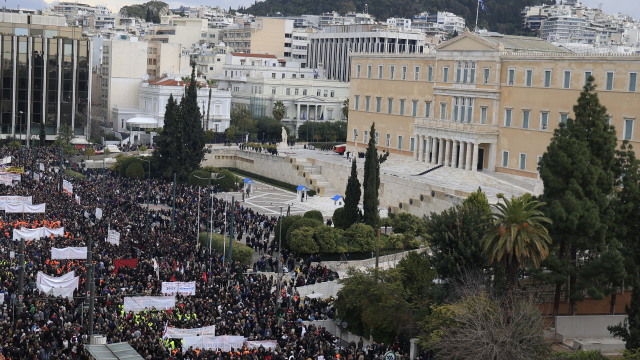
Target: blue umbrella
302,188
336,198
248,181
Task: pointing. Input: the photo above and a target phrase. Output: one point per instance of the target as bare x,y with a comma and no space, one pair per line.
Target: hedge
241,252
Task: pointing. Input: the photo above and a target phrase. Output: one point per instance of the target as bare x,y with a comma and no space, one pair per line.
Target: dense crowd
237,302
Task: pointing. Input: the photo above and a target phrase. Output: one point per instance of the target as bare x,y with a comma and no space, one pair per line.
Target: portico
465,146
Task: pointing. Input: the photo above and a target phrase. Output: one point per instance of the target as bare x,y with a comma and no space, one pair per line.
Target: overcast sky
629,7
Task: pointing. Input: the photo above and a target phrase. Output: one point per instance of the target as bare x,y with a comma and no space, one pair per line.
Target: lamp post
146,232
279,298
20,123
214,176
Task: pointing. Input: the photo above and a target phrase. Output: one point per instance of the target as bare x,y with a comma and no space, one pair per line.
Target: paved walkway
270,200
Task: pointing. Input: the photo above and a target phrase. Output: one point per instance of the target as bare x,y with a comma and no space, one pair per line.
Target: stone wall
396,194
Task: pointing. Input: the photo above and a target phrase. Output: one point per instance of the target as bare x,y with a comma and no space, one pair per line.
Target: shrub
241,252
122,164
74,174
314,214
143,148
301,241
327,239
286,223
301,222
135,170
90,152
339,219
404,223
227,181
359,238
199,177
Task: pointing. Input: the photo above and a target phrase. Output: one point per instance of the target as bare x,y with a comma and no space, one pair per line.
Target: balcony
456,130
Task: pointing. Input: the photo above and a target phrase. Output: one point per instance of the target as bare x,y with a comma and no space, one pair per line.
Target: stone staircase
314,179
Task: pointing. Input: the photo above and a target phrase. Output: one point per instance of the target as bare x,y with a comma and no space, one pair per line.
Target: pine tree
372,180
352,197
578,175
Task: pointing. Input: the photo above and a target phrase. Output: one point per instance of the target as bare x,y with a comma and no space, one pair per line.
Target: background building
330,50
484,102
45,80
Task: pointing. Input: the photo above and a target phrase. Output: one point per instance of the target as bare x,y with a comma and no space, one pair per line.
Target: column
315,107
447,152
434,150
492,157
454,153
298,112
441,152
461,155
474,164
425,148
467,165
416,148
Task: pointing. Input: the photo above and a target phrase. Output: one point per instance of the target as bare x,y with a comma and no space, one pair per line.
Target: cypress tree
193,140
578,175
168,143
371,184
352,197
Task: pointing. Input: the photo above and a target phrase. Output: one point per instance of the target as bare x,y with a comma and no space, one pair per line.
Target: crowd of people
165,246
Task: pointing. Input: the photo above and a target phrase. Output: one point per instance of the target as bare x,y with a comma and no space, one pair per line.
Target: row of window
365,139
609,84
522,160
296,91
466,73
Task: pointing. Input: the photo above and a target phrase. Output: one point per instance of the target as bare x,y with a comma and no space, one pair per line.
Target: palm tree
279,110
211,83
517,237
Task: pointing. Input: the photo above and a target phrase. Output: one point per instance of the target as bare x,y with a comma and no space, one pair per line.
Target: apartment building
487,103
45,80
263,36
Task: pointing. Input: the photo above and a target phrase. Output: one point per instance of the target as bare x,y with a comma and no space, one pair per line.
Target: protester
227,296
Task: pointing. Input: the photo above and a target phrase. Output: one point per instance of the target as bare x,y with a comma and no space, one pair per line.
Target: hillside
499,15
149,11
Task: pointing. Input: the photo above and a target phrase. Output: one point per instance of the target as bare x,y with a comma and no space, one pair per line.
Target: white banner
9,199
67,187
26,208
37,233
139,303
5,160
98,213
58,286
69,253
175,333
41,167
113,237
36,176
224,343
8,178
267,344
77,197
178,287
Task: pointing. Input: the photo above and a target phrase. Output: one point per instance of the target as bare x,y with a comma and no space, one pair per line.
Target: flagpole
477,13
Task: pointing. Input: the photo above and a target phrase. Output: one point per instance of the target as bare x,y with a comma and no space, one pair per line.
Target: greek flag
481,4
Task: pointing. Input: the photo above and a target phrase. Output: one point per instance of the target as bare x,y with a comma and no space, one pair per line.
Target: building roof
522,43
169,81
267,56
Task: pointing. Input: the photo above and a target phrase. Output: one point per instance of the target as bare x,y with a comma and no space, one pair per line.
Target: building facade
486,103
45,80
330,50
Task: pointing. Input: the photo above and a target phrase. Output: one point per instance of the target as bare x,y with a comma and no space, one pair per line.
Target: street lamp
20,123
279,298
146,232
214,176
